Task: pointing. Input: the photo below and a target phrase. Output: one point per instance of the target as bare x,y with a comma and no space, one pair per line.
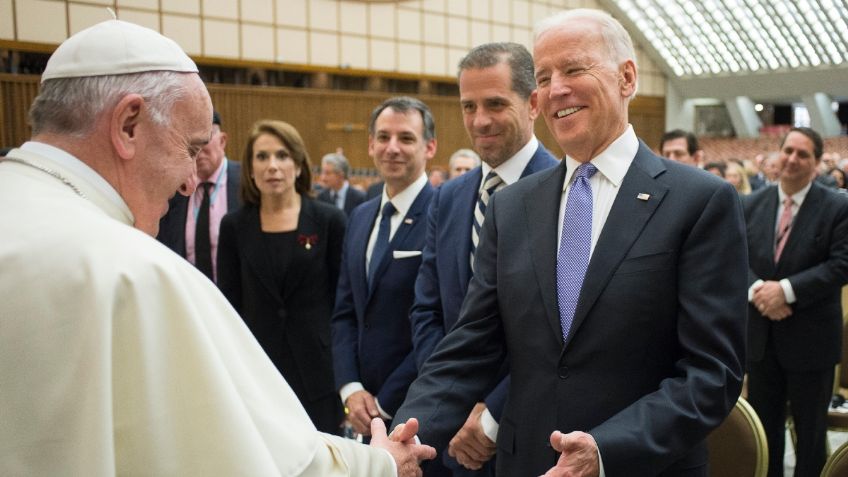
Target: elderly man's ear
124,123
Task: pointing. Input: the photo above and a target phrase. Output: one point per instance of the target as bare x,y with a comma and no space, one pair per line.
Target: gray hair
464,153
339,163
70,106
615,37
402,104
520,63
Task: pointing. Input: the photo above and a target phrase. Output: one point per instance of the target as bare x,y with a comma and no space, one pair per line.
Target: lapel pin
643,196
407,221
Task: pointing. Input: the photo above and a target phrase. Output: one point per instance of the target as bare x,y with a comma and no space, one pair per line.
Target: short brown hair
289,136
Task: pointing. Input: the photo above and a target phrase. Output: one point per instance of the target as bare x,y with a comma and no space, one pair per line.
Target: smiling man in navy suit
614,283
372,344
498,100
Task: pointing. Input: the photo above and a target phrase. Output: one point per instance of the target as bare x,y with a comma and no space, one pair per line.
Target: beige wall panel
354,17
145,19
324,15
383,55
520,13
458,7
108,3
480,9
260,11
148,4
523,36
354,52
7,24
538,12
291,46
458,32
220,8
501,11
481,32
409,58
409,24
435,60
382,20
455,55
292,13
257,42
435,29
189,7
220,39
437,6
325,49
41,21
84,16
500,33
185,31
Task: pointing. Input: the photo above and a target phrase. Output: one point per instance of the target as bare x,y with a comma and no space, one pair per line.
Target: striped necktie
492,183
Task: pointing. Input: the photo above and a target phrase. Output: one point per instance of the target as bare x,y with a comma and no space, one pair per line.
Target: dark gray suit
353,198
807,344
653,361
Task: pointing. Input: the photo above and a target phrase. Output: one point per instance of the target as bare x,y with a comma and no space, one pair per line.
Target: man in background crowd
192,223
119,357
462,161
798,252
681,146
335,171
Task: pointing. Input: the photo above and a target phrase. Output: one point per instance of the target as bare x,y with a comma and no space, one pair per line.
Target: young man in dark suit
191,225
498,100
372,345
614,284
798,252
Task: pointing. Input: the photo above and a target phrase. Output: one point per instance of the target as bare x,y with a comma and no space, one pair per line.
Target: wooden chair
738,446
837,463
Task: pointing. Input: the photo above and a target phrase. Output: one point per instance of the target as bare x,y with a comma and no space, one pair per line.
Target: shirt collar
798,197
511,169
216,177
343,191
612,162
403,200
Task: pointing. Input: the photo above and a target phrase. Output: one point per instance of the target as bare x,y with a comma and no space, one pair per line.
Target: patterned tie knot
586,170
493,180
788,202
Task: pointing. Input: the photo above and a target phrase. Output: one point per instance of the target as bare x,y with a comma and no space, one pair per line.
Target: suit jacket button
281,313
367,326
563,372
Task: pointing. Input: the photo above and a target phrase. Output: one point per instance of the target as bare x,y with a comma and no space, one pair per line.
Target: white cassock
118,357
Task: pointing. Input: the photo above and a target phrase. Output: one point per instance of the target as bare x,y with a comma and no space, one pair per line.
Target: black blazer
654,358
172,225
815,261
353,197
290,320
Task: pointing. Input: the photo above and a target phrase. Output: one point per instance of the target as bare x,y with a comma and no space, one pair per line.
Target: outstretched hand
579,455
401,445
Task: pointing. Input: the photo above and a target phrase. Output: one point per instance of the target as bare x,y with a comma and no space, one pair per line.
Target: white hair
71,106
618,41
464,153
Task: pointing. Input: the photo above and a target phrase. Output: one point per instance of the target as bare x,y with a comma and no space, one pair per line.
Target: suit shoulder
322,210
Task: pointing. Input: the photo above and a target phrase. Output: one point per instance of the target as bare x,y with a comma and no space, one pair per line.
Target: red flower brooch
307,240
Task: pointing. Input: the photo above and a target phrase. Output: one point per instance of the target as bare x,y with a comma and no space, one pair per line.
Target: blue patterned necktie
381,245
492,183
575,246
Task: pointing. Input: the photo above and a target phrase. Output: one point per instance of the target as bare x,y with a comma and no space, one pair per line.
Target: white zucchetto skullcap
116,47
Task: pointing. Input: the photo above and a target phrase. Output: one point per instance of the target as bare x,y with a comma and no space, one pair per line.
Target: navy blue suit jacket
446,268
372,341
172,225
654,358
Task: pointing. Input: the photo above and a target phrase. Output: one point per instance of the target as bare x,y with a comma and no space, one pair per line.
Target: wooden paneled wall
326,119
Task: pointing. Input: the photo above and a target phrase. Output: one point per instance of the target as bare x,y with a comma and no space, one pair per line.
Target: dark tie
492,183
202,244
575,246
381,246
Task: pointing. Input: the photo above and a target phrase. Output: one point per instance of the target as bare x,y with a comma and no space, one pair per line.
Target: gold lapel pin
643,196
407,221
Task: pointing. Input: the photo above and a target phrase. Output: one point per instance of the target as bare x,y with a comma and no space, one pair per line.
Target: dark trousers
770,386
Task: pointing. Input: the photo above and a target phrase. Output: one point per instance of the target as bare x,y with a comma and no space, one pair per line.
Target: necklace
45,170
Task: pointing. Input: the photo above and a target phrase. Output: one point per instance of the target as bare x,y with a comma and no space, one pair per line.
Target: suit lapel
543,229
626,220
462,221
410,220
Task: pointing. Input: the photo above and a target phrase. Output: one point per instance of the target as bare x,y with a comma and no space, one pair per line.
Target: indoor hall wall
423,37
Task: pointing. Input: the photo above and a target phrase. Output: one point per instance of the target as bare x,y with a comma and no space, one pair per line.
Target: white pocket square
405,253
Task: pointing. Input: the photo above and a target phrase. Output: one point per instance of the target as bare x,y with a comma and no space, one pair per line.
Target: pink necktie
783,228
